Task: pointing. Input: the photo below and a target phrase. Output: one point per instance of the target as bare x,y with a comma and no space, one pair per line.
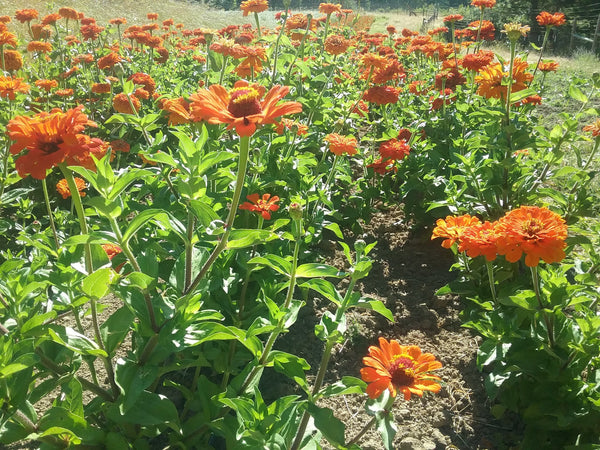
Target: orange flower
401,368
548,66
383,166
152,16
145,80
8,38
483,3
10,86
452,18
551,20
64,92
46,85
51,19
68,13
537,232
479,239
26,15
289,124
594,128
121,103
330,8
254,6
382,95
373,60
108,61
101,88
477,61
263,205
490,79
394,149
336,44
62,187
241,107
341,144
119,145
50,139
39,46
111,250
118,21
178,109
452,228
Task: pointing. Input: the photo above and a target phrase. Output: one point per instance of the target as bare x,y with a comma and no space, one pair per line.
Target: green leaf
244,409
248,238
74,341
291,366
576,94
97,284
520,95
336,230
132,379
116,327
37,320
311,270
275,262
150,409
375,305
198,333
332,428
347,385
22,362
140,280
160,217
325,288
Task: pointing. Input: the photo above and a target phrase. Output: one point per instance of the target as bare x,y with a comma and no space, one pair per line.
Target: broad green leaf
198,333
576,94
332,428
347,385
311,270
74,341
275,262
291,366
325,288
160,217
22,362
116,327
248,238
375,305
97,284
37,320
132,379
150,409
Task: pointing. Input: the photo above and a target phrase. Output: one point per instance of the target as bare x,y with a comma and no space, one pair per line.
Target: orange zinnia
483,3
452,228
12,60
50,139
479,239
336,44
8,38
289,124
548,66
394,149
339,144
382,95
263,205
26,15
452,18
121,103
62,187
537,232
68,13
551,20
10,86
241,107
178,109
254,6
330,8
401,368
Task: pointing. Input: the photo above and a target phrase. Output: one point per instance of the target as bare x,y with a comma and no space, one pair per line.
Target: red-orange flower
108,61
339,144
10,86
537,232
241,107
263,205
46,85
39,46
394,149
336,44
452,228
479,239
62,187
50,139
382,95
26,15
178,109
254,6
483,3
477,61
452,18
548,66
8,38
401,368
593,128
111,250
289,124
68,13
122,103
551,20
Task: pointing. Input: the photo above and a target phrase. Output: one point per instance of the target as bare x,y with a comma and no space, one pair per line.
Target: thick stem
189,249
257,24
276,52
546,34
239,184
538,296
107,361
490,271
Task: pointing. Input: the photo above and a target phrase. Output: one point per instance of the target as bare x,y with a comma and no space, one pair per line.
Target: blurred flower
254,6
340,145
46,85
62,187
12,60
10,86
108,61
490,79
548,66
550,20
8,38
289,124
26,15
152,16
382,95
483,3
477,61
452,228
537,232
68,13
515,31
241,107
394,149
401,368
178,109
123,103
452,18
330,8
336,44
39,46
383,166
594,128
50,139
263,205
143,79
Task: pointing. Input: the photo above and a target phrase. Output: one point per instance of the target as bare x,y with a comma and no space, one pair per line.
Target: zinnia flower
263,205
483,3
479,239
401,368
551,20
121,103
241,107
178,109
341,144
62,187
50,139
336,44
68,13
26,15
330,8
290,125
452,228
593,128
382,95
394,149
10,86
254,6
452,18
537,232
548,66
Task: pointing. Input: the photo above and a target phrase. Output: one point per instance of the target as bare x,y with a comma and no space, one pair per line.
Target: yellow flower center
244,102
402,370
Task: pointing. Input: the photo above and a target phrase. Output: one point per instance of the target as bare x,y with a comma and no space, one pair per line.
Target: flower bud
295,209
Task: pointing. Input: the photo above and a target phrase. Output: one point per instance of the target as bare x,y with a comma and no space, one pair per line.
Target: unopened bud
295,210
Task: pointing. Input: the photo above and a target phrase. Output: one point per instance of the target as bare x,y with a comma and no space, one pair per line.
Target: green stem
299,51
538,296
546,34
276,52
239,184
189,249
50,216
490,271
372,422
257,24
106,360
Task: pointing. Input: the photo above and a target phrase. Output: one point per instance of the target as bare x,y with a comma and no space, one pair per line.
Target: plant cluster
195,170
